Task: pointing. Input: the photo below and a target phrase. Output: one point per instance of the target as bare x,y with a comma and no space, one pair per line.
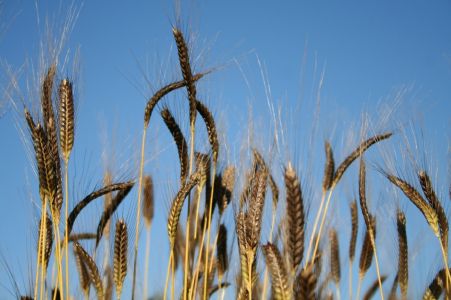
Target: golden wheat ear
120,256
212,132
295,226
92,196
47,247
356,154
176,207
153,101
367,253
305,284
108,212
91,268
334,257
66,117
354,230
436,287
82,273
279,276
434,202
185,67
414,196
224,185
329,168
403,257
180,142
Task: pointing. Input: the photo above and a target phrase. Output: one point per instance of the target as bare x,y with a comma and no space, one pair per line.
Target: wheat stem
168,271
146,265
315,225
138,210
322,223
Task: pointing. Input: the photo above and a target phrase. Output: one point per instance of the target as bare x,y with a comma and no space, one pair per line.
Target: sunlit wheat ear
224,188
305,284
122,186
434,202
373,288
295,218
91,268
66,117
82,273
185,67
414,196
367,253
57,199
258,158
362,195
436,287
153,101
49,120
47,247
354,230
255,211
148,200
108,212
329,168
45,164
355,154
46,96
212,132
120,256
240,221
180,142
403,257
176,207
279,276
221,251
334,257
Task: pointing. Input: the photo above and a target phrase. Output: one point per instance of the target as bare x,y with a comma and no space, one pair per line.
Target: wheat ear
279,276
403,258
120,256
91,267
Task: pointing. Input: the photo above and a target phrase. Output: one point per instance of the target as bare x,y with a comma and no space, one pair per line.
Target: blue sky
366,53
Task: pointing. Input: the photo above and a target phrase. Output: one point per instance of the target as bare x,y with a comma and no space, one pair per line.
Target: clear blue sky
368,53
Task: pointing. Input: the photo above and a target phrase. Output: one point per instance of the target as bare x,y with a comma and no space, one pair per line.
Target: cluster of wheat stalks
292,265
